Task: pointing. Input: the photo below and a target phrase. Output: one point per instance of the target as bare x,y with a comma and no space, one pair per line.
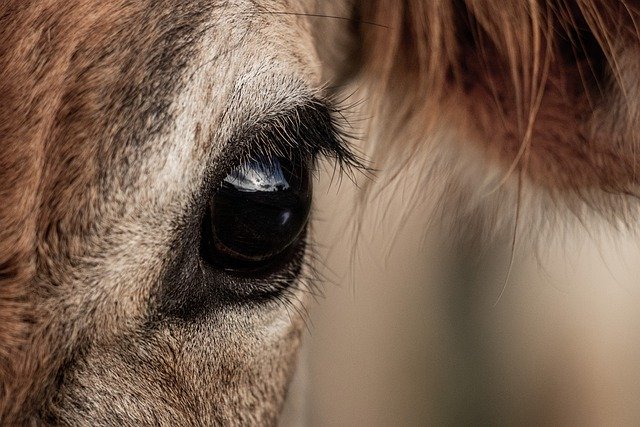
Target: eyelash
319,134
307,280
308,134
314,146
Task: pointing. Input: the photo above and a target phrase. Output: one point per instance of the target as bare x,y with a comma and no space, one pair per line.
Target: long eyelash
347,160
310,132
316,131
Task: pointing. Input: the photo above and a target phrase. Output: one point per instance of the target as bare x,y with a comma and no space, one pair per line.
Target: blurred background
418,329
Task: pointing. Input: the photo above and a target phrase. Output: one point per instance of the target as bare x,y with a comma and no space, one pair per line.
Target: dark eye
258,213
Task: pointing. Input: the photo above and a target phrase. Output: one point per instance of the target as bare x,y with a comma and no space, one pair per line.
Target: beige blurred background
428,331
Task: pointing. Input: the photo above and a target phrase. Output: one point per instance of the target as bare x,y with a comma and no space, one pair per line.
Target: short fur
112,114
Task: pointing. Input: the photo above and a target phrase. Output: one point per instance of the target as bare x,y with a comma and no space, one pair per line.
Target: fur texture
112,117
544,92
115,115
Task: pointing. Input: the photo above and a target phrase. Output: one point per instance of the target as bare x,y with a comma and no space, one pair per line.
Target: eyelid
308,131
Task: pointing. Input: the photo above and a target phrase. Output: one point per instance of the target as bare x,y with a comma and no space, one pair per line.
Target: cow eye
257,214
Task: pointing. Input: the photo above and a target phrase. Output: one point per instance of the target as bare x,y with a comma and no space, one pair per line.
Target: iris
258,213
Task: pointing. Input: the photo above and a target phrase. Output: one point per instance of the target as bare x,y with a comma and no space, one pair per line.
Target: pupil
259,212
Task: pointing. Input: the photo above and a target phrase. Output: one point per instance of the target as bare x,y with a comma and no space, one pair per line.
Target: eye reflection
259,212
258,176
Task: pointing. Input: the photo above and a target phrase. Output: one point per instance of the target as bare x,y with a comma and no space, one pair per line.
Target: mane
549,87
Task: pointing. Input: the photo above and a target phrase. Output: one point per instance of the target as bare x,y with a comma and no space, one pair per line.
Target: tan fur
546,91
112,113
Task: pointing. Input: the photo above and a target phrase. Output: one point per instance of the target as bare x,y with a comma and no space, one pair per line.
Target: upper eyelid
309,129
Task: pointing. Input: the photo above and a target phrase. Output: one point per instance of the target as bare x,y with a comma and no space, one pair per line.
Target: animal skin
117,116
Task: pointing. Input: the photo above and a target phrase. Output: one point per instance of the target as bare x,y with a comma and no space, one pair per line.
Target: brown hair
549,85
